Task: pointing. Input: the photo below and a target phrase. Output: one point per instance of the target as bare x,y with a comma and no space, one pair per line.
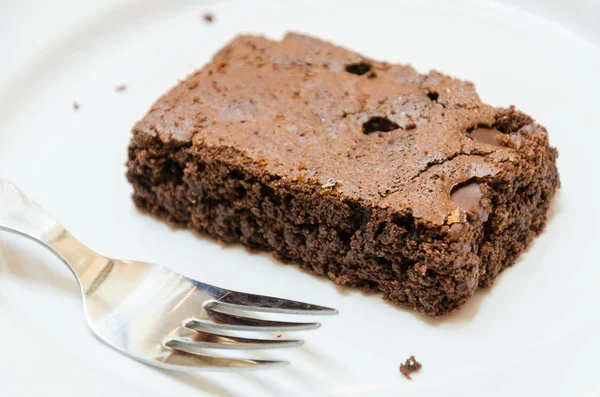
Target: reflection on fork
151,313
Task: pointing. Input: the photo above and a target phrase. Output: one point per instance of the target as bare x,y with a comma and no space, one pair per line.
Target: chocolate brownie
365,172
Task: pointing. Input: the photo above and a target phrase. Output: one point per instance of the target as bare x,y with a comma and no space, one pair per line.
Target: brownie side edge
220,193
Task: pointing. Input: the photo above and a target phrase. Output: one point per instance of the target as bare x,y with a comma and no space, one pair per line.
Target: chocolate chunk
485,135
469,198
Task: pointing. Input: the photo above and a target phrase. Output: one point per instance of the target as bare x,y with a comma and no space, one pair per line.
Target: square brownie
368,173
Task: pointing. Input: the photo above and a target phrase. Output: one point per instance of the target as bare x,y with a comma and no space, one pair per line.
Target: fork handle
19,214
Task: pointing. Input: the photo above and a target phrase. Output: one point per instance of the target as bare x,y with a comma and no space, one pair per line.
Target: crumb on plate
411,365
208,17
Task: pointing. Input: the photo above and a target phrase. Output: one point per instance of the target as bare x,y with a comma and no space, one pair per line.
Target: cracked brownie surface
368,173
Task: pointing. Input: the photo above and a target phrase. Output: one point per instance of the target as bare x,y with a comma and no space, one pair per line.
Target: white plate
533,332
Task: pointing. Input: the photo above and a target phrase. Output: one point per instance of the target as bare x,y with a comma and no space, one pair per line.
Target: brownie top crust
302,110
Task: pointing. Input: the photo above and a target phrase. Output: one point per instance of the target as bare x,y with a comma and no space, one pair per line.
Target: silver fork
151,313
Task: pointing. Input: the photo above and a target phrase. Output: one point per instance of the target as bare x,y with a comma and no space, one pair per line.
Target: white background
534,332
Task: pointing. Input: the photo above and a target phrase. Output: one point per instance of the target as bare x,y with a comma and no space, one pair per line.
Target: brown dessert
365,172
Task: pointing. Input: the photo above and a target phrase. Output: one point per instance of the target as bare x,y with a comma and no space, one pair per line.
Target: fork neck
19,214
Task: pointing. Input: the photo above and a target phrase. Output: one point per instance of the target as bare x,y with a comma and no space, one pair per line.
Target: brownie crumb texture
411,365
368,173
208,17
121,88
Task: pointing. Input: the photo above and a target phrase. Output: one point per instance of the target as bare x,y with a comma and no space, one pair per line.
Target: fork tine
183,361
231,322
261,303
206,340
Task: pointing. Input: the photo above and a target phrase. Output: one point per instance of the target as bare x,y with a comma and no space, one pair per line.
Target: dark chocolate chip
467,197
485,135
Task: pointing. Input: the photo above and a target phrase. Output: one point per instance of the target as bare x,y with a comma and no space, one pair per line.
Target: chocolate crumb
121,88
208,17
411,365
75,105
279,336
